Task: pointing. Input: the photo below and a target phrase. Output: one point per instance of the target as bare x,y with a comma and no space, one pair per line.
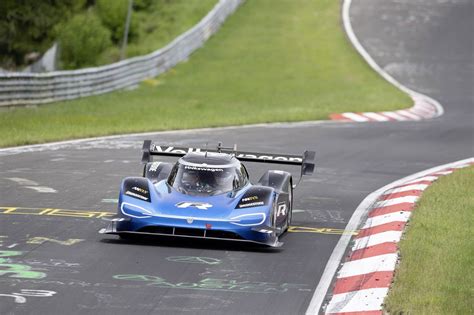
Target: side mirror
235,183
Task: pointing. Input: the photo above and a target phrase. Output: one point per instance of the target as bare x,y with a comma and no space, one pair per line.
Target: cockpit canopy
207,179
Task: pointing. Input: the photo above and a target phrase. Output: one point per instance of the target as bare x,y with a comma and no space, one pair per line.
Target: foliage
142,4
25,26
113,14
81,39
32,26
157,23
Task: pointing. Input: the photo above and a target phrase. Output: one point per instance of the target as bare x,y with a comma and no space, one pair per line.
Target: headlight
250,219
135,211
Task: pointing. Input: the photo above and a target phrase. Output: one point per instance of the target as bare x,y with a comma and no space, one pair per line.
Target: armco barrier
38,88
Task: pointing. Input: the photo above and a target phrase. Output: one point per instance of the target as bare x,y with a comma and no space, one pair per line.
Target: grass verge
437,254
273,60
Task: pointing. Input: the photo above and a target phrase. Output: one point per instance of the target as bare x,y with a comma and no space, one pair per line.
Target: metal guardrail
39,88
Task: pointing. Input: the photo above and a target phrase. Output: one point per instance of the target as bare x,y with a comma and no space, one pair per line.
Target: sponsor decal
251,204
137,188
281,210
207,169
154,166
131,193
199,205
251,198
140,190
190,220
254,197
157,148
270,157
259,156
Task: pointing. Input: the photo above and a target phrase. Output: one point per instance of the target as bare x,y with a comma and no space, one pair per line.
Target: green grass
437,254
273,60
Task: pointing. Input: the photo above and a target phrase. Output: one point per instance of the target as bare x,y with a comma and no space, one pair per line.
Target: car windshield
204,180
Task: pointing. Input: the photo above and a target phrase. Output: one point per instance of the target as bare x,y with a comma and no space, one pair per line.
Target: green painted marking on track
17,270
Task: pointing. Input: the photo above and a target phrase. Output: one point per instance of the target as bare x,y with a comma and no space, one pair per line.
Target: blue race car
208,194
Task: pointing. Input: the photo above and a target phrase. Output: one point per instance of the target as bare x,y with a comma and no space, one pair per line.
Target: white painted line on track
368,265
339,250
428,178
375,239
358,301
442,173
42,189
395,116
355,117
396,201
23,181
376,116
421,111
460,166
402,216
26,183
416,187
408,114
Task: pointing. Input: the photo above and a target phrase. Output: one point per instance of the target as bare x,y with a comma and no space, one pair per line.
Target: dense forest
89,32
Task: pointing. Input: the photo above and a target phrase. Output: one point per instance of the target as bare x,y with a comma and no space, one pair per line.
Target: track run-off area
53,198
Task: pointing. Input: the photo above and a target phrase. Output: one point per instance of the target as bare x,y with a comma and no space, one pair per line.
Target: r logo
199,205
281,210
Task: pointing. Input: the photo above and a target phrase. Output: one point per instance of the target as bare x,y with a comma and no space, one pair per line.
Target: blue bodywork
169,212
208,194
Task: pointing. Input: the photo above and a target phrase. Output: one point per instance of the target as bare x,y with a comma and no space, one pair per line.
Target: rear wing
306,160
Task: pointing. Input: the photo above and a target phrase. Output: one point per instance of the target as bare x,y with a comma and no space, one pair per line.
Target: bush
81,40
26,26
141,5
113,14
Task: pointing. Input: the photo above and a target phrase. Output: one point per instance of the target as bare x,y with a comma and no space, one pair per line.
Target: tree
81,40
112,14
27,26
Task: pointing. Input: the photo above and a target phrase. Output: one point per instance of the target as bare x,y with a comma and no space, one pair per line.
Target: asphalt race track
425,44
